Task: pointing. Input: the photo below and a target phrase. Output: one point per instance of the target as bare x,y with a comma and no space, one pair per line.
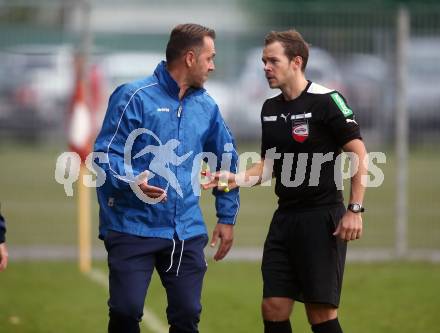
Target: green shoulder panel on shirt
346,111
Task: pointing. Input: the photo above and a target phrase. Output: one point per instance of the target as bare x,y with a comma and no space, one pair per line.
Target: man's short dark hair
293,43
185,37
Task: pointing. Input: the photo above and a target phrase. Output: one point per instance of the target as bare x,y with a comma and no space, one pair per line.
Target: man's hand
153,191
3,256
350,226
226,234
149,190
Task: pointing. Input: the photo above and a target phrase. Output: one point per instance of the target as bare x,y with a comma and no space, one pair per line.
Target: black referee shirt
315,123
2,229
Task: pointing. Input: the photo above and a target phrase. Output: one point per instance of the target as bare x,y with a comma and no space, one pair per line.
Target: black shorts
302,260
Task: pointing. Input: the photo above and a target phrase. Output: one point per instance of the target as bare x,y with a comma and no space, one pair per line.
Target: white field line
150,321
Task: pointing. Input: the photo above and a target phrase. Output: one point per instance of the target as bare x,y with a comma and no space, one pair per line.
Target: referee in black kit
304,130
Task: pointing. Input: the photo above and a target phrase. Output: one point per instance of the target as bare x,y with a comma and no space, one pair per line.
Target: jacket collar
170,85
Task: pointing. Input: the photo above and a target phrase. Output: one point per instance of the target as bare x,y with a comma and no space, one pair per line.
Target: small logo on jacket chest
163,110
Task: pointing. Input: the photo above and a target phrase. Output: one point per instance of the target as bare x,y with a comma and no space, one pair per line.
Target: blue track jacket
147,127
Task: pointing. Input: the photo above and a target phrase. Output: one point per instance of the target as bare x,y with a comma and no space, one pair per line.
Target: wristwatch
356,207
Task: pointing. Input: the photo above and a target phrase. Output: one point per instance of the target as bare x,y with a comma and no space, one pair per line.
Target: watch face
355,208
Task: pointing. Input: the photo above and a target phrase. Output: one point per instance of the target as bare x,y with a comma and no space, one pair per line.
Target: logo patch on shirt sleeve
346,111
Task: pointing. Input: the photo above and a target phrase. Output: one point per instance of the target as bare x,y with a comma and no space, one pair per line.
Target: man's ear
190,58
297,61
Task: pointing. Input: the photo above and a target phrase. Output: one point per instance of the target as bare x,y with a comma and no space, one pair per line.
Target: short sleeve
264,142
2,229
340,120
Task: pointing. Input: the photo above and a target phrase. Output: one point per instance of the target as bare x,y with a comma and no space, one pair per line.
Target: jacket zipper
179,114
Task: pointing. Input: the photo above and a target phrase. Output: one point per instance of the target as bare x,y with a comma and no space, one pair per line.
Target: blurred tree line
337,13
344,3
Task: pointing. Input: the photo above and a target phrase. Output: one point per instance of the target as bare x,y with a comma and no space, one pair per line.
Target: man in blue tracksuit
3,248
155,134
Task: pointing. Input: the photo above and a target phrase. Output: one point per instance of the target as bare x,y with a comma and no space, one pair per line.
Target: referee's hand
350,227
226,234
222,180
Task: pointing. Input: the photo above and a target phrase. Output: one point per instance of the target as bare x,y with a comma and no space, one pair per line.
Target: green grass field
43,297
54,297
